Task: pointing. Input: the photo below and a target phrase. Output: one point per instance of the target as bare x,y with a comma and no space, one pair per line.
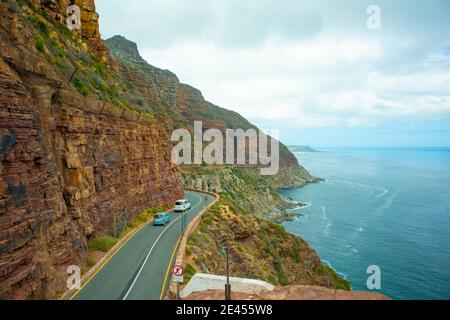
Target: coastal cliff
258,249
71,165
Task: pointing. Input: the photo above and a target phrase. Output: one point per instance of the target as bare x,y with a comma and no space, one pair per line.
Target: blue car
161,219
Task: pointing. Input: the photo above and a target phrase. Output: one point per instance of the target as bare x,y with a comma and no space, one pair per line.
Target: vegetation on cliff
249,191
258,249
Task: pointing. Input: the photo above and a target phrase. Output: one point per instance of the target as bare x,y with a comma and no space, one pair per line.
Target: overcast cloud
302,65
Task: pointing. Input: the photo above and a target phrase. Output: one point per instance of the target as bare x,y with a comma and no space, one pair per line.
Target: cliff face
56,9
70,165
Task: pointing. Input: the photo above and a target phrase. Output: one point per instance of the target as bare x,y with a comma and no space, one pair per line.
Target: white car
182,205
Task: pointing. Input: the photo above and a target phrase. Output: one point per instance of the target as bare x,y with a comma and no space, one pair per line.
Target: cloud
298,64
232,23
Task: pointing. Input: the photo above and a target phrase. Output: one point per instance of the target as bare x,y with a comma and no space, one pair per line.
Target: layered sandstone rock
67,170
57,9
65,175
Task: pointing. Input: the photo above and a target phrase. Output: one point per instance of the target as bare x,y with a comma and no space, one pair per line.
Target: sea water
383,207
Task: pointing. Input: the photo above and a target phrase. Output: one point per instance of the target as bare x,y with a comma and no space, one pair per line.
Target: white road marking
151,249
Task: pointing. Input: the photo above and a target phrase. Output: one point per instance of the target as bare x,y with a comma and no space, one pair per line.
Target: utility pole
182,223
227,285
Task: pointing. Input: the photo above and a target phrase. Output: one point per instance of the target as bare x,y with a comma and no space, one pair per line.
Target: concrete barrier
204,282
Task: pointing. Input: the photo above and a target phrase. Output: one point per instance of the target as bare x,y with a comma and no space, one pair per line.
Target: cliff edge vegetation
258,249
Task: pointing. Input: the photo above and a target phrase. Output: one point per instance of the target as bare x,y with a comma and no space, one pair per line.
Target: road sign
179,279
177,270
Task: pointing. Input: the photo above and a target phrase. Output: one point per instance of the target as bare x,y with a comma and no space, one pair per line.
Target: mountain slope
170,99
258,250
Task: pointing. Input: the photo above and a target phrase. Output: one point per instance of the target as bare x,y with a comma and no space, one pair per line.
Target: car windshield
178,203
158,216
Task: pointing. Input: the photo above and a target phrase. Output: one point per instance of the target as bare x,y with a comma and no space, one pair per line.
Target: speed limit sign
177,270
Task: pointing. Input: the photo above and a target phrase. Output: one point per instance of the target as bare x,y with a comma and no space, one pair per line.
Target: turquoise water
384,207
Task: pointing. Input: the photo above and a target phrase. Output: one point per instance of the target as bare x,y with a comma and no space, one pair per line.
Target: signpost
183,222
177,272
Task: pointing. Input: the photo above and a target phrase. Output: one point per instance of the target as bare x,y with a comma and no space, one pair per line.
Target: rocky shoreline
256,194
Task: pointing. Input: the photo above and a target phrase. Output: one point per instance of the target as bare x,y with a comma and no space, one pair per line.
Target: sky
326,73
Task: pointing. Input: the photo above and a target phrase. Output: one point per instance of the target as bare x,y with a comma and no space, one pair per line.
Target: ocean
383,207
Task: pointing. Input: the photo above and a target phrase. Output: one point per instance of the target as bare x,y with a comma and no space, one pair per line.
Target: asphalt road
138,270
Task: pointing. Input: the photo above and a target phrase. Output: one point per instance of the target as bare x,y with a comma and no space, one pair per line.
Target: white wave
387,204
378,191
328,264
300,207
328,221
383,192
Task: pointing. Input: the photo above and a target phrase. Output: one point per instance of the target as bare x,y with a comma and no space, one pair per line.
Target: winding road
141,268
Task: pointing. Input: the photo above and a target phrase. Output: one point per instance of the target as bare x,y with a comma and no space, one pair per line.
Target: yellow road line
104,263
118,249
168,269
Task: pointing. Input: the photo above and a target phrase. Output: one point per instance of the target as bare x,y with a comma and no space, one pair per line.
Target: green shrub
42,27
103,244
295,255
279,230
342,284
90,262
282,279
338,282
278,264
80,86
189,272
40,45
271,279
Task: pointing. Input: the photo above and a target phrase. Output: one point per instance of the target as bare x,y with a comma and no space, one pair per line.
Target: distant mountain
301,149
